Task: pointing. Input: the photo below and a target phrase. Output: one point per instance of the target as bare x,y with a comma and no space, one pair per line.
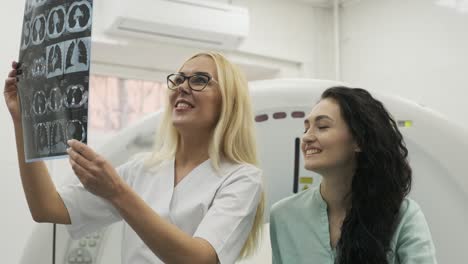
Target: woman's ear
356,147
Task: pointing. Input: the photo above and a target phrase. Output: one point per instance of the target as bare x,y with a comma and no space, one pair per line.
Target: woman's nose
308,137
184,87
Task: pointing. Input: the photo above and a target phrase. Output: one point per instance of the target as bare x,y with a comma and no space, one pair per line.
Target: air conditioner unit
195,23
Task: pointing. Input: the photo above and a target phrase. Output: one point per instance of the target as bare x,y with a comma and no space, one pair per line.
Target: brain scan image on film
39,2
54,60
57,138
38,68
42,139
26,35
77,55
55,100
56,22
79,16
39,103
28,6
76,130
54,50
38,30
76,96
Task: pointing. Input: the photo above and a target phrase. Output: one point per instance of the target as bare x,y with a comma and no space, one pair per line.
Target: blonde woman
197,198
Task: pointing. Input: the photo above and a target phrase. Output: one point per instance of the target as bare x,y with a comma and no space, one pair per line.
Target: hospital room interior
411,55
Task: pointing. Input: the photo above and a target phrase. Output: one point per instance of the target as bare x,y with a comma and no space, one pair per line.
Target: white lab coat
217,206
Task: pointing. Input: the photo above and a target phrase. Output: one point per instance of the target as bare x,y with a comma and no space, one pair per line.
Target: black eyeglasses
196,82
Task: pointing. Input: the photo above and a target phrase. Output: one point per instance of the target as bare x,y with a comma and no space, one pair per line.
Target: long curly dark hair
381,181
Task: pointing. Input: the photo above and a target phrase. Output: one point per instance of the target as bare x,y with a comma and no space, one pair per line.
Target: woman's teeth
183,106
312,151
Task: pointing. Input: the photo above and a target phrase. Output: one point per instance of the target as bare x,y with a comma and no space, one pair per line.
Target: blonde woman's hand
10,92
97,175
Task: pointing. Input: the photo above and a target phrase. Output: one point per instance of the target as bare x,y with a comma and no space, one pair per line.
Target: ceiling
323,3
317,2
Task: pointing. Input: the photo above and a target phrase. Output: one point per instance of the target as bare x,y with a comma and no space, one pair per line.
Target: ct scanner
438,155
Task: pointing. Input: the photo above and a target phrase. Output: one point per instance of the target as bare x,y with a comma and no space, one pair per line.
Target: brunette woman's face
327,143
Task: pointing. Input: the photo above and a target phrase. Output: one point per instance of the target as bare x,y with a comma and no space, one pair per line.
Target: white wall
292,31
414,49
287,39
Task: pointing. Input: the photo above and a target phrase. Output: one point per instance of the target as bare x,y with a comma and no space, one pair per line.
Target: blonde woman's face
196,110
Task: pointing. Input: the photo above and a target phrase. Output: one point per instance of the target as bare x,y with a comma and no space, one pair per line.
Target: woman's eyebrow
322,117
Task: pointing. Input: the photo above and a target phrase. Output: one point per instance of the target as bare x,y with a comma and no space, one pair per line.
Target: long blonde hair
233,136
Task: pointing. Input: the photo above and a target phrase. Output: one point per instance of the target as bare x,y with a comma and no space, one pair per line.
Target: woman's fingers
10,81
12,73
79,159
85,151
83,175
15,65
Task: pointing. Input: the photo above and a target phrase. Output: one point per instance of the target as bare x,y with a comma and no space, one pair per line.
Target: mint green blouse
299,232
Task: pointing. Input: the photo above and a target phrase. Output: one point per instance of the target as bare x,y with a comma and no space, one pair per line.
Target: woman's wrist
118,200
